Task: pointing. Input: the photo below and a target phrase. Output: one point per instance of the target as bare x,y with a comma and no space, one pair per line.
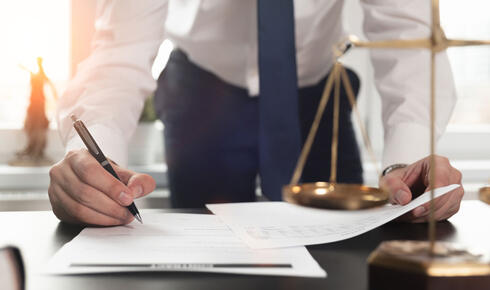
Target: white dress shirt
111,85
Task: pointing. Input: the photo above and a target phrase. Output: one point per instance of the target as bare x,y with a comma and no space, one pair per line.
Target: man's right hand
81,191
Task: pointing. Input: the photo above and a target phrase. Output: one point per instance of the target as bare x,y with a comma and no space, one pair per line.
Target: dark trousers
211,135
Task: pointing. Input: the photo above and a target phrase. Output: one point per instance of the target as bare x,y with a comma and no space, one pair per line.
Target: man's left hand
404,184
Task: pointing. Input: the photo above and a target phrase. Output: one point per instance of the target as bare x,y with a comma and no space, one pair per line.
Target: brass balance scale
394,264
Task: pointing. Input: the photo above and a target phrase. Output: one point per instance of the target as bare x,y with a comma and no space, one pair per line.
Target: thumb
399,192
140,184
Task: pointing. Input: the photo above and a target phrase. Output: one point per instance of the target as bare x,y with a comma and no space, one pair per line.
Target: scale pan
334,195
485,194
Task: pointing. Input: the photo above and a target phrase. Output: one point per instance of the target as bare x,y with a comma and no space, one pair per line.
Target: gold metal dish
485,194
335,195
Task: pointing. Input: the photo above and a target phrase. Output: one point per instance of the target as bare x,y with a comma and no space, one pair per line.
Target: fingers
399,192
68,210
82,191
445,174
448,204
456,177
444,207
139,184
421,213
417,177
91,197
90,172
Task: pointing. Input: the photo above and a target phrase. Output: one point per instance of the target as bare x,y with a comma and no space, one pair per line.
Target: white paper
176,242
279,224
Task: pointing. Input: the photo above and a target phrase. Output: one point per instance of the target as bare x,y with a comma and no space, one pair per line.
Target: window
31,28
471,65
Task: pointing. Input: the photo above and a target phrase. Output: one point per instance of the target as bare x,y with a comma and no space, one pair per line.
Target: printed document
176,242
279,224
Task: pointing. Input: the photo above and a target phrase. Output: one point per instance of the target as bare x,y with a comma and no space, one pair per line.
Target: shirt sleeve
110,86
403,79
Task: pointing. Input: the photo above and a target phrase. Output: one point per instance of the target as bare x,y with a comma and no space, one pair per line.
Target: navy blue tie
279,131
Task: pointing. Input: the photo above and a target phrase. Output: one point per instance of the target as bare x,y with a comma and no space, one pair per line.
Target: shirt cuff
113,145
406,143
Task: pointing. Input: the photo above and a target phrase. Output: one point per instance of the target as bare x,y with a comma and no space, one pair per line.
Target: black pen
94,149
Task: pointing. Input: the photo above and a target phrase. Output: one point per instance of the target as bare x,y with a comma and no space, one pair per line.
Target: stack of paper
176,242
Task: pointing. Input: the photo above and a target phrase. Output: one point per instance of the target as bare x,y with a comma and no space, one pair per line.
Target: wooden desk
40,235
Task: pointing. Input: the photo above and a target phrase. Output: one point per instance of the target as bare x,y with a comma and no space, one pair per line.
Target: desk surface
40,235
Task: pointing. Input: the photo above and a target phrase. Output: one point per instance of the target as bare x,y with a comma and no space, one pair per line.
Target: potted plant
144,144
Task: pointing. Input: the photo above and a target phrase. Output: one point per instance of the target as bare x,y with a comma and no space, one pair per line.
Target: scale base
334,195
407,265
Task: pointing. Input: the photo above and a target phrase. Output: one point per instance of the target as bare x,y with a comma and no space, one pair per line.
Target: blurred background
60,32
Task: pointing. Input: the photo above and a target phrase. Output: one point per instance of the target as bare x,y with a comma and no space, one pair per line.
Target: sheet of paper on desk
279,224
176,242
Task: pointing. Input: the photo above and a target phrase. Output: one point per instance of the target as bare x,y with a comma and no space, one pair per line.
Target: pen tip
138,217
73,118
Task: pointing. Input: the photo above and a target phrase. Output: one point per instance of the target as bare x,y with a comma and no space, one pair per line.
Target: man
237,99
